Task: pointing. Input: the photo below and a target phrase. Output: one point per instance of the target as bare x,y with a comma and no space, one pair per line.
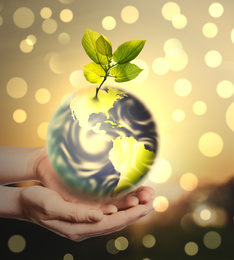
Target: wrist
39,156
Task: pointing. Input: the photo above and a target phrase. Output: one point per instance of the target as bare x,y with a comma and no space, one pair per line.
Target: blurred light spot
232,35
161,172
216,10
77,79
42,130
178,115
188,181
110,247
49,26
16,87
191,248
213,59
42,96
205,214
16,243
148,241
187,221
66,15
212,240
160,66
172,47
1,20
161,204
68,257
144,74
31,39
170,10
182,87
46,12
19,116
26,46
210,30
64,38
121,243
66,1
210,144
23,17
229,116
129,14
108,23
179,21
225,89
199,108
145,259
58,63
178,62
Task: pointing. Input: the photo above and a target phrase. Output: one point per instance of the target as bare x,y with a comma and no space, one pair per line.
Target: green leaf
89,44
104,47
125,72
128,51
94,72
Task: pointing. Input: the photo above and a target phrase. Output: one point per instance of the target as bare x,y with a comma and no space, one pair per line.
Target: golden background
187,83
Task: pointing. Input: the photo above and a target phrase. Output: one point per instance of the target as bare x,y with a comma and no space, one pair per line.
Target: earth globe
105,146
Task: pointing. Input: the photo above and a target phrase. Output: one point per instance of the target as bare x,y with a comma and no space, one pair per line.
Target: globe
104,146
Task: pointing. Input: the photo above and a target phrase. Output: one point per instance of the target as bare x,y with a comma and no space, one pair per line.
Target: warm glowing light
110,247
216,10
161,204
170,10
42,96
23,17
66,1
210,144
188,181
16,243
161,172
191,248
229,116
179,21
225,89
42,130
1,20
232,35
121,243
148,241
19,116
213,59
16,87
130,14
68,257
199,108
49,26
77,79
66,15
212,240
210,30
178,115
58,63
109,23
205,214
31,39
173,47
64,38
182,87
178,62
144,74
26,46
160,66
46,13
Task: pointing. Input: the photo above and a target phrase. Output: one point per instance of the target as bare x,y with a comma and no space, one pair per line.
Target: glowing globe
102,146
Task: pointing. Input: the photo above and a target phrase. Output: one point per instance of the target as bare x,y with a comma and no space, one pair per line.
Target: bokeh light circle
68,257
179,62
213,59
58,63
66,15
42,96
199,107
210,30
160,204
1,20
188,181
182,87
210,144
160,66
191,248
170,10
64,38
212,240
26,46
129,14
216,10
77,79
161,172
31,39
178,115
121,243
232,35
16,87
179,21
42,130
16,243
229,116
172,47
205,214
109,23
19,116
148,241
111,248
225,89
46,12
49,26
23,17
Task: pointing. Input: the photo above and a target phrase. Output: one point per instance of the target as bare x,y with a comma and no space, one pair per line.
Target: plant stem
98,88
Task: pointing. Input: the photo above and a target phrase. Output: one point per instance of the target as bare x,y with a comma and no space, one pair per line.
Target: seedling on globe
107,64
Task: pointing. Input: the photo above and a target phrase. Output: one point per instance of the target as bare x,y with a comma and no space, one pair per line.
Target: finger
108,209
127,202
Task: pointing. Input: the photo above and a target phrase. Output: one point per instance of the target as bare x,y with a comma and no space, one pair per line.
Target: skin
56,207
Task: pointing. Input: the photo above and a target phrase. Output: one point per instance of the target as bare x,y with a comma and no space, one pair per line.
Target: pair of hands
55,207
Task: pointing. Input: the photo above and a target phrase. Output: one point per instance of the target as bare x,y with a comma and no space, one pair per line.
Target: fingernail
95,215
